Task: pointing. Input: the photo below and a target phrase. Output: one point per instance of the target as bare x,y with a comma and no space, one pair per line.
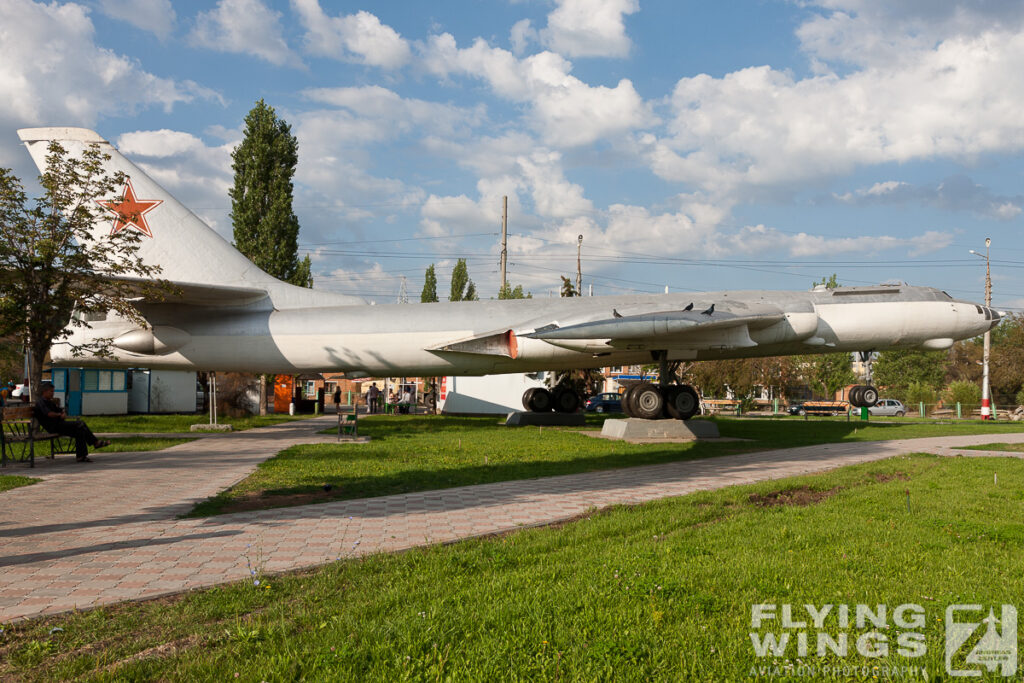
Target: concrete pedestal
521,419
635,429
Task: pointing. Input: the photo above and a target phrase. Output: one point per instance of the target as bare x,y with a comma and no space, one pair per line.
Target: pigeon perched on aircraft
709,310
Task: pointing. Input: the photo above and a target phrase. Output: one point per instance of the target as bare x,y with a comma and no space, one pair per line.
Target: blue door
74,392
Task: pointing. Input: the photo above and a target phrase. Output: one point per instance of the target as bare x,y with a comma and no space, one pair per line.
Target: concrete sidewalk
107,531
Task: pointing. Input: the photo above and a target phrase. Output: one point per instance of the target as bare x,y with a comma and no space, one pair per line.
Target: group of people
375,400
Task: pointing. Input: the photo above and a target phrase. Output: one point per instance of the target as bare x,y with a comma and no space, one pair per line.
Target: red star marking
129,211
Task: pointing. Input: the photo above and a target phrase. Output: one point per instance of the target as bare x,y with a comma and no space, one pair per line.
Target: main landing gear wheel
647,402
566,400
681,402
863,396
627,401
537,400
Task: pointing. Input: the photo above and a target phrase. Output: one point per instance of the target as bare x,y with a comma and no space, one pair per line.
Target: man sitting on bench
53,419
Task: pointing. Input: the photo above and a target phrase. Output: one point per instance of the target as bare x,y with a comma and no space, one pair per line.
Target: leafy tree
898,369
266,229
568,289
429,294
830,282
55,258
827,372
11,359
462,288
507,291
964,393
1006,361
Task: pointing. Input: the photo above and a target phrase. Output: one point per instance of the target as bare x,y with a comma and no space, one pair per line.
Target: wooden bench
348,422
19,432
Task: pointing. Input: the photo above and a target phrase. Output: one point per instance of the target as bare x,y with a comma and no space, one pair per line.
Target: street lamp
986,403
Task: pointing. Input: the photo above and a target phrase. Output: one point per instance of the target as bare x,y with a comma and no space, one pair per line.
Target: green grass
662,591
1008,447
132,444
142,424
420,453
11,481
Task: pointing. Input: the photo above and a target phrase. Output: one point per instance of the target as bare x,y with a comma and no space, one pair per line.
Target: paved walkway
105,532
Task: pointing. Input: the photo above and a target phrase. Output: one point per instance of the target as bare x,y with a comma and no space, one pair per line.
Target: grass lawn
417,453
662,591
1008,447
142,424
131,444
11,481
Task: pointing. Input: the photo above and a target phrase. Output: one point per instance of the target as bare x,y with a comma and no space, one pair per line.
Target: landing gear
566,400
650,402
561,399
647,401
537,400
682,402
863,396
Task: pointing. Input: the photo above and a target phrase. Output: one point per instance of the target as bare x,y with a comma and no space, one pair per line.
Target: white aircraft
231,316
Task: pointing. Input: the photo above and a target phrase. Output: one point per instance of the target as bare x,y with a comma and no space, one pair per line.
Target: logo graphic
994,647
129,211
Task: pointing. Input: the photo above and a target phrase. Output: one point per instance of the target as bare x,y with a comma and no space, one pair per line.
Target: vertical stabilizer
185,248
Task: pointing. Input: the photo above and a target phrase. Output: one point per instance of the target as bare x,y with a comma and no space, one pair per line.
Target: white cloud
762,127
955,193
155,16
73,81
198,175
759,239
589,28
359,37
566,111
393,114
245,27
521,35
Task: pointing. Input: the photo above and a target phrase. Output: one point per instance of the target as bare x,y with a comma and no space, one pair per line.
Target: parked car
604,403
819,408
796,408
888,406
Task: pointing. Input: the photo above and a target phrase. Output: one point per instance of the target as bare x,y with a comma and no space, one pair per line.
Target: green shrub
1019,398
919,392
964,393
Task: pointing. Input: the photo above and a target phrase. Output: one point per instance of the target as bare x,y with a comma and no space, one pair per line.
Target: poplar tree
266,229
462,288
429,294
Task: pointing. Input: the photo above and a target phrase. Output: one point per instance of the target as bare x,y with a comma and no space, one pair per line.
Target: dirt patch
799,497
882,477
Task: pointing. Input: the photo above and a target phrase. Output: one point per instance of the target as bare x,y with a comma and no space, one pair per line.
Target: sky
695,146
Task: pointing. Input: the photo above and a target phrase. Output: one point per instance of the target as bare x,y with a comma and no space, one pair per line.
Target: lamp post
986,403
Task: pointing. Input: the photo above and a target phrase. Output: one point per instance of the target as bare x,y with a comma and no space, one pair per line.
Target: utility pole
986,400
579,269
504,239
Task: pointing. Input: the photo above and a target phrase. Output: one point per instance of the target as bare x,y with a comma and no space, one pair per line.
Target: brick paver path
107,531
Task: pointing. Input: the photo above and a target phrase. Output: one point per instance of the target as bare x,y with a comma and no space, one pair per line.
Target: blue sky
694,145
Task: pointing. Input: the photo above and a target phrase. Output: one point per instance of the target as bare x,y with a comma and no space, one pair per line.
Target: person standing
337,399
54,420
371,398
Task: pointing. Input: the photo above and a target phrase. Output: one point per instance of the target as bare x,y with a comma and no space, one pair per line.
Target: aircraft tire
627,401
682,402
541,402
869,395
566,400
527,398
647,402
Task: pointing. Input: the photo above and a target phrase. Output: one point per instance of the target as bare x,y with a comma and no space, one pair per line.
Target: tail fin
185,248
